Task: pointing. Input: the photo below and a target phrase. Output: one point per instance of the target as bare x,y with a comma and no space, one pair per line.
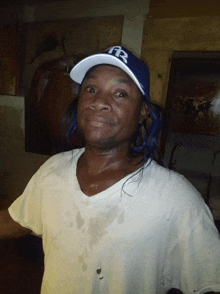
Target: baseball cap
121,58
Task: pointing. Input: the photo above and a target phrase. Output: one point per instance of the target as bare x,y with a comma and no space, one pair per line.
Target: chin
101,144
96,137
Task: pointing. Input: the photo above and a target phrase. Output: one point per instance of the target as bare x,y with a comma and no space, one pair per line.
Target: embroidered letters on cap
119,53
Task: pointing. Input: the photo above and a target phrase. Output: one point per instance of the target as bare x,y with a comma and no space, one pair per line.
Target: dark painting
194,83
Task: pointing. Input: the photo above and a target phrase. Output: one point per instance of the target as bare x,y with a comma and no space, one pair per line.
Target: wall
17,166
133,11
183,8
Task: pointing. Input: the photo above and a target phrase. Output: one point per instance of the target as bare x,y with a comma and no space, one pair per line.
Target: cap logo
118,52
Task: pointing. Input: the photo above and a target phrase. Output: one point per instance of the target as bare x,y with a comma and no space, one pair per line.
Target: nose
100,102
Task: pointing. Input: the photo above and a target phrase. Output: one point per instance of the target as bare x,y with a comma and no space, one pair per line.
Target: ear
145,118
144,113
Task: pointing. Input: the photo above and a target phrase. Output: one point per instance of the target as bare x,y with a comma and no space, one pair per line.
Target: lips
96,123
99,121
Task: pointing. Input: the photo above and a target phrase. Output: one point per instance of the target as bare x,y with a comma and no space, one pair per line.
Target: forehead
113,70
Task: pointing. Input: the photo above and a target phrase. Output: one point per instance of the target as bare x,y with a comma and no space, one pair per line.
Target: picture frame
194,83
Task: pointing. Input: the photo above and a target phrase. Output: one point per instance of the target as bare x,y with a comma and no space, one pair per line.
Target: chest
94,184
117,241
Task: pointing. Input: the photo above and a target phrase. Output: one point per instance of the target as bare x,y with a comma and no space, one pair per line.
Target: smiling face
109,109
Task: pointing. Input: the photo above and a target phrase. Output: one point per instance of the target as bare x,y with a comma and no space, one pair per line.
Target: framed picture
191,138
193,84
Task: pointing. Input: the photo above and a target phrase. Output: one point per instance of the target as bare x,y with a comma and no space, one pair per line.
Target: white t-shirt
144,237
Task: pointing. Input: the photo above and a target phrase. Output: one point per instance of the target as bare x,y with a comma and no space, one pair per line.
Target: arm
9,228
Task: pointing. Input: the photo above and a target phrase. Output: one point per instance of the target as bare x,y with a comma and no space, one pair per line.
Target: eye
121,94
90,89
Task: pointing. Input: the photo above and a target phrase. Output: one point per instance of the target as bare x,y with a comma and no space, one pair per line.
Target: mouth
96,124
99,121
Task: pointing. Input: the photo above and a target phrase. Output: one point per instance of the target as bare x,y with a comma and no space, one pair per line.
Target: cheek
131,116
79,105
134,120
79,114
80,108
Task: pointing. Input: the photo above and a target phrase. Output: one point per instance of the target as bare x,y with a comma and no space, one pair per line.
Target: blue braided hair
146,143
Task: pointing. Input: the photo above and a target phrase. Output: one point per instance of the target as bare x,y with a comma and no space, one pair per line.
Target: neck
99,160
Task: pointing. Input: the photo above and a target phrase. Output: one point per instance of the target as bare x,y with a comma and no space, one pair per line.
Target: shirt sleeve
193,255
26,209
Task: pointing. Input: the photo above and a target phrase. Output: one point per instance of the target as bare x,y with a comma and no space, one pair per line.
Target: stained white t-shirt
147,233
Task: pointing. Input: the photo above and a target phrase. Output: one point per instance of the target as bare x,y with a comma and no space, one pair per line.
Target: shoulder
164,176
63,158
171,186
172,195
60,162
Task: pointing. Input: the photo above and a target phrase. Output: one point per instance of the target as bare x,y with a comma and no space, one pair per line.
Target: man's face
109,108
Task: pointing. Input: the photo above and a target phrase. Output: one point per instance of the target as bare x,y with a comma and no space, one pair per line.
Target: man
112,220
